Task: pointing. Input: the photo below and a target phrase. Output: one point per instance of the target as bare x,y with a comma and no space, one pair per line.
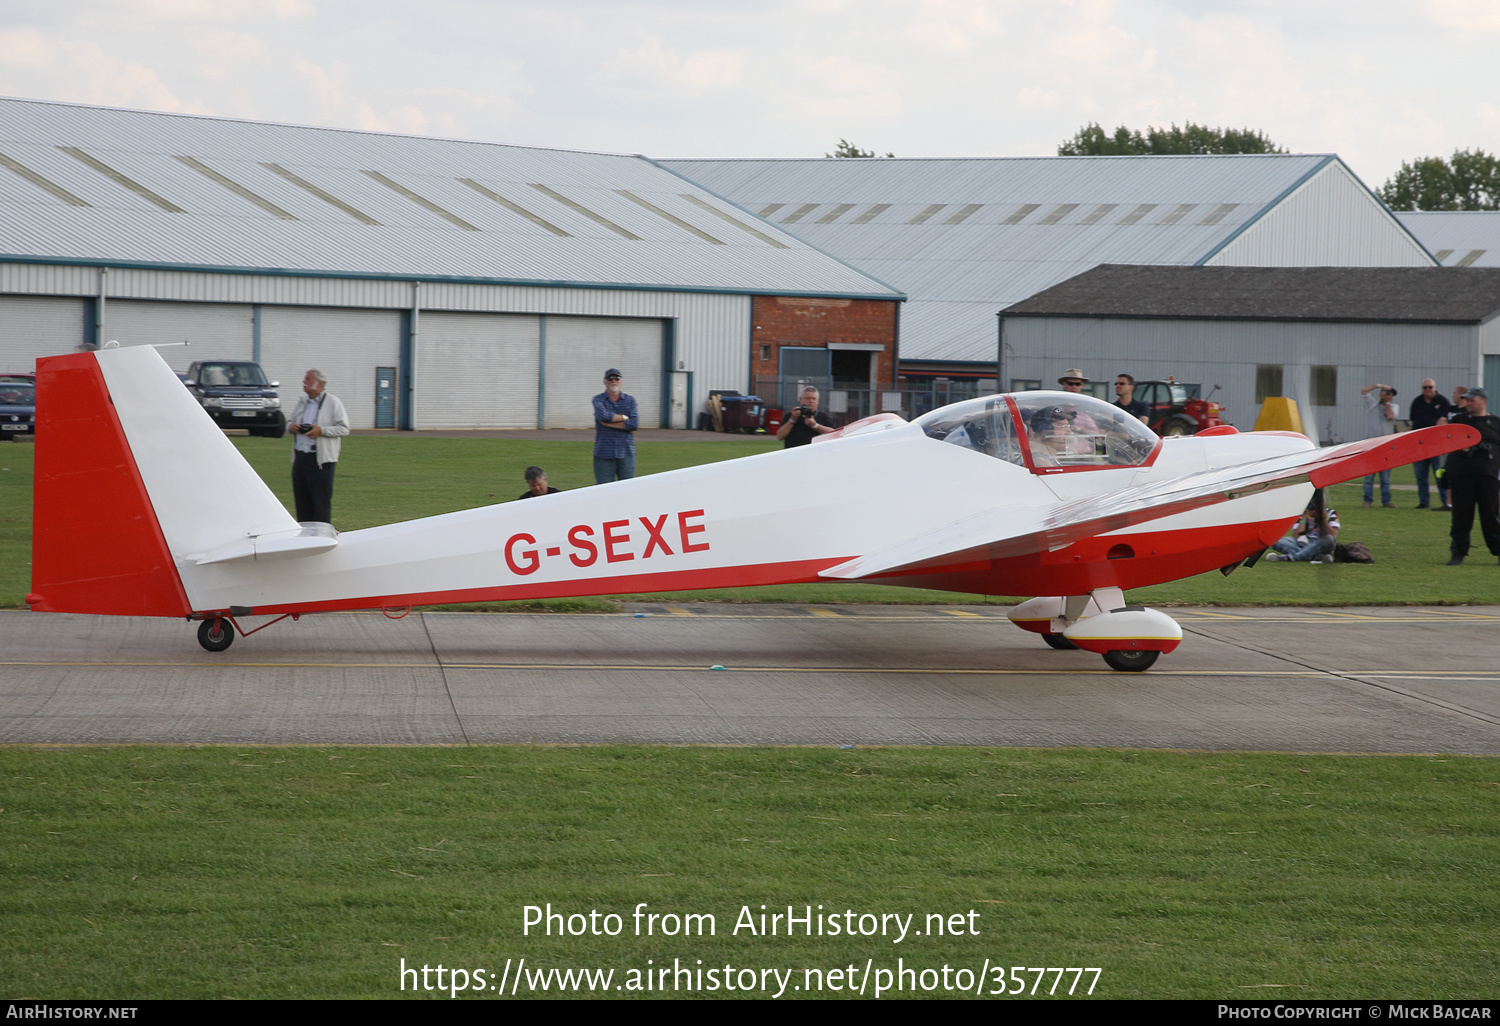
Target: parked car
1176,409
236,394
17,406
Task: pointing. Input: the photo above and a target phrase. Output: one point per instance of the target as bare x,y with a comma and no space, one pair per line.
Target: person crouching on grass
1312,538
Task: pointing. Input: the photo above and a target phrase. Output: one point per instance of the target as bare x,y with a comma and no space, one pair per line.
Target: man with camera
1470,475
804,421
317,424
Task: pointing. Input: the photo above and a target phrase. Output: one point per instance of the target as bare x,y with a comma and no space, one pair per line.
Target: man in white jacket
317,423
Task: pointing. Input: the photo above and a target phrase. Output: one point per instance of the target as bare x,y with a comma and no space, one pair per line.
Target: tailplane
133,480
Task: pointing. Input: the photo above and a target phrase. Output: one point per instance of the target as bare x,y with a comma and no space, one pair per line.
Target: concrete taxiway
1353,680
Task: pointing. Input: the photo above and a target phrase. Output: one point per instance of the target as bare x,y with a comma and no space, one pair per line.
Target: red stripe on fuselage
96,544
795,572
1155,557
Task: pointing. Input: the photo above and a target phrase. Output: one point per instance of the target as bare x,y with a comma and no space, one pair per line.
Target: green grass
306,872
390,478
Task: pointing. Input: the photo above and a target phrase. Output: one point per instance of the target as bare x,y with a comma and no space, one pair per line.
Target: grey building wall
1228,353
349,326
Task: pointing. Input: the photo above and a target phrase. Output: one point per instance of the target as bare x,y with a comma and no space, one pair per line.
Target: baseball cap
613,373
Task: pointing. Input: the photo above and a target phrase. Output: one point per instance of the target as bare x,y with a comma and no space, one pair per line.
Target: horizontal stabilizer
309,541
1019,531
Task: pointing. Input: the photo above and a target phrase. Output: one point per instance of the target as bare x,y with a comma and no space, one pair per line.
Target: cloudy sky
1377,81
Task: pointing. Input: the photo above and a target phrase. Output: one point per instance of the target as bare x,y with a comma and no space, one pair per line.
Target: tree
1091,141
845,148
1470,181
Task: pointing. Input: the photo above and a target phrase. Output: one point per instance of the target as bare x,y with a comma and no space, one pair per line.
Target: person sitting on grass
1312,538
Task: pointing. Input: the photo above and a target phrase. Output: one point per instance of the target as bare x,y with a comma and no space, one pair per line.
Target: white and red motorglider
1036,493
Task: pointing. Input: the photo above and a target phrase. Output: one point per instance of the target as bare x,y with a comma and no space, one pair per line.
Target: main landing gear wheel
1133,661
1058,642
217,634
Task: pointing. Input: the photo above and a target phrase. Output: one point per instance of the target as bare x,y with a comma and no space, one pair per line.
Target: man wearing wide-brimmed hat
1073,380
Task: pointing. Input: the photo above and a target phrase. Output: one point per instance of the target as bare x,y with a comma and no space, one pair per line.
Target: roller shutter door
581,349
216,331
477,370
346,345
32,326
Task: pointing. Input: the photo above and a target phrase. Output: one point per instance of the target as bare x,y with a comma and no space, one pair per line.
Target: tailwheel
216,634
1132,660
1058,642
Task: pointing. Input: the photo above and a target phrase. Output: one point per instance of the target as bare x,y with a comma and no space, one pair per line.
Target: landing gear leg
215,634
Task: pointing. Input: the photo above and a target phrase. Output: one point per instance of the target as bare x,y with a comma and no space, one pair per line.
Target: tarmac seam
1367,681
446,689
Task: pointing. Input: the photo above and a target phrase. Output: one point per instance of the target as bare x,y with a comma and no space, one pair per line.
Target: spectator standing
804,421
1381,420
1073,380
1427,409
536,484
318,422
1471,477
615,422
1125,398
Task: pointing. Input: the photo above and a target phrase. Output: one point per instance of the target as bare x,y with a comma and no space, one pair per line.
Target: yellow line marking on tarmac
679,611
962,613
823,612
1443,675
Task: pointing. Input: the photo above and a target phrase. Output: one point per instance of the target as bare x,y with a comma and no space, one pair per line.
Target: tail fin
133,479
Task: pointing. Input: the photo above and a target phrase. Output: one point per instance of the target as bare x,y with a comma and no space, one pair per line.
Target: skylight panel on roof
1021,213
41,183
762,236
769,209
869,215
1442,254
421,201
514,208
1062,211
586,212
1177,213
799,213
1140,211
836,213
926,212
1216,215
1469,257
673,218
121,179
236,188
326,197
1097,214
963,213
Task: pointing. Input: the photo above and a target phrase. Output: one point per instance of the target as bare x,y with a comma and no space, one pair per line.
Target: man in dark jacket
1428,408
1471,477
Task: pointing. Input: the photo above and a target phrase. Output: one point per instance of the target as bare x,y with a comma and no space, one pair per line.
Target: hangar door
477,370
33,326
217,331
346,345
581,349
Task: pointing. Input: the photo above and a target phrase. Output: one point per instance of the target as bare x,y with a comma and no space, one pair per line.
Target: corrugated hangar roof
1431,295
963,237
83,184
1457,238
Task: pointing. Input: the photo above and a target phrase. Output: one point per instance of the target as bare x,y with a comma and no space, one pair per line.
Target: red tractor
1176,408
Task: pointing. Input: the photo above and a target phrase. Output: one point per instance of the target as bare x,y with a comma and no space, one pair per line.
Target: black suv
236,394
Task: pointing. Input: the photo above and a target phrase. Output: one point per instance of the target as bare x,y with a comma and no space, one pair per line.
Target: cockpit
1044,431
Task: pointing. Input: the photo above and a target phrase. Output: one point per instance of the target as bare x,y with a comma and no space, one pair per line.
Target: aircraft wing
1022,530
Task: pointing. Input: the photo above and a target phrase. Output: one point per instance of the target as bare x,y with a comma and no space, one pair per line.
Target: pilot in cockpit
1051,433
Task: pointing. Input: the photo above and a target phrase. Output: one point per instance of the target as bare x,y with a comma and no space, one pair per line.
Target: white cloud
79,71
653,64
